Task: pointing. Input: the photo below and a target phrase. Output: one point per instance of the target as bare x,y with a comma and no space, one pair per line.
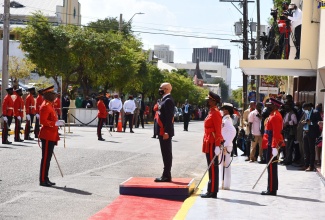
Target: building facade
212,54
163,53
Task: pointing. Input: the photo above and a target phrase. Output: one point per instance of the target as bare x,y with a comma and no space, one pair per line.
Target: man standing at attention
7,113
187,112
102,115
39,101
30,112
272,140
165,129
49,134
128,107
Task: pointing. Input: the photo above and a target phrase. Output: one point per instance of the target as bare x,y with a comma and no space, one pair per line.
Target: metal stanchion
69,132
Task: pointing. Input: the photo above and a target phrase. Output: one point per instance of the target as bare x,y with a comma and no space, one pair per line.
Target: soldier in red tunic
30,112
102,116
39,101
7,113
211,143
57,106
18,113
272,140
48,134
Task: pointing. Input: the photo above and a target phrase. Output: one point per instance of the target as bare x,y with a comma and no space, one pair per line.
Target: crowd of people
301,130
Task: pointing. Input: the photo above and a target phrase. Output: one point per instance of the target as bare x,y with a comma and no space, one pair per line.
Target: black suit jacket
166,108
314,118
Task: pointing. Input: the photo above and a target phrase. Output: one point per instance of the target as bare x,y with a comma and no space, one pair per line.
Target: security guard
7,113
39,101
30,112
115,106
272,140
102,116
48,134
18,113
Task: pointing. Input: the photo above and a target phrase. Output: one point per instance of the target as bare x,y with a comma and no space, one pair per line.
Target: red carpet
134,207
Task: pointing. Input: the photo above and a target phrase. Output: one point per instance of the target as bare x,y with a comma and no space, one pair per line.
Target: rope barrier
81,121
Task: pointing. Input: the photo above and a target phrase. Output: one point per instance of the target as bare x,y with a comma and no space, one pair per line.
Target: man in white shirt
254,119
115,106
128,107
296,20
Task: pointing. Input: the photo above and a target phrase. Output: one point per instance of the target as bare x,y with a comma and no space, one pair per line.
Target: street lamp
121,20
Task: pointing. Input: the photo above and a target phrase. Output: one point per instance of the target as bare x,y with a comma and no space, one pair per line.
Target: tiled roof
47,7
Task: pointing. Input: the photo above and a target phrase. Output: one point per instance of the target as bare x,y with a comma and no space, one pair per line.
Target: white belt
10,108
32,106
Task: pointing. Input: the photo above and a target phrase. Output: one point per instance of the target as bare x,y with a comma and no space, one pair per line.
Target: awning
277,67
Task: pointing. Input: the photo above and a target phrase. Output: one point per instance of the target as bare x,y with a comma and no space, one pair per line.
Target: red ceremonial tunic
39,101
48,117
273,127
8,106
212,130
102,112
18,106
57,106
30,105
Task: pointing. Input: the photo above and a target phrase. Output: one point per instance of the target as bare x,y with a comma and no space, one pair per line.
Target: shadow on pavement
72,190
243,191
244,202
300,198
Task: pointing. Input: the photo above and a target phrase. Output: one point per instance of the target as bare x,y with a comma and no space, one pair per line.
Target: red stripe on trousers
212,169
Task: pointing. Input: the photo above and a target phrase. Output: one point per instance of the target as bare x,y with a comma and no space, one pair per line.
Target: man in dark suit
187,108
65,107
141,113
165,130
311,131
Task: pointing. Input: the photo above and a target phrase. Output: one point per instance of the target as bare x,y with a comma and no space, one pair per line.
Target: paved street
92,170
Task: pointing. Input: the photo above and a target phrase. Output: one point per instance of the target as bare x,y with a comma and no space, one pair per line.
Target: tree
224,88
110,25
237,96
19,68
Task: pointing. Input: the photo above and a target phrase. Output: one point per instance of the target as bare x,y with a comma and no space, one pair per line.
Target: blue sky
207,18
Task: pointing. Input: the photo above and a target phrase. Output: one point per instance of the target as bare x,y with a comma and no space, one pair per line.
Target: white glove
217,150
5,118
28,117
274,152
37,116
60,123
19,118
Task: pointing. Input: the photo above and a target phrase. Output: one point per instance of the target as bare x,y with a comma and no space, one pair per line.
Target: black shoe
262,162
268,193
29,138
7,142
131,131
51,183
46,184
163,179
101,139
243,155
19,140
247,159
209,195
153,137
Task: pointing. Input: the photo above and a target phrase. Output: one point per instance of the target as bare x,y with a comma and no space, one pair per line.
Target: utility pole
258,47
245,51
120,23
5,55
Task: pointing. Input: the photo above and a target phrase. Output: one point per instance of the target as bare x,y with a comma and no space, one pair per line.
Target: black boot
209,195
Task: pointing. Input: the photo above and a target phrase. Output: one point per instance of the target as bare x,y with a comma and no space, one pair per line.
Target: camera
274,13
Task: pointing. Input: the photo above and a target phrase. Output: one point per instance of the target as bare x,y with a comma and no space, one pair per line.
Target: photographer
296,20
284,41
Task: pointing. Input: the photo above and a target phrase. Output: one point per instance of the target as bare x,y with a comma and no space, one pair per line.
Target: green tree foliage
110,25
237,96
19,68
224,89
